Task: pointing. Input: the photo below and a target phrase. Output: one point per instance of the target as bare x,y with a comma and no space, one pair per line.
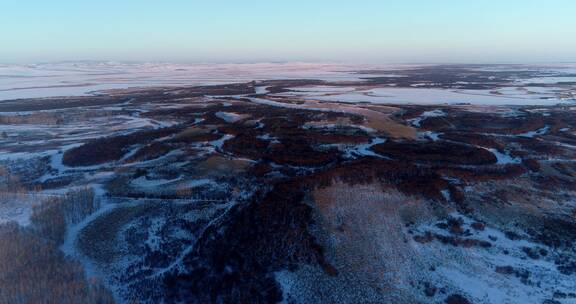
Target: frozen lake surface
89,78
420,96
84,78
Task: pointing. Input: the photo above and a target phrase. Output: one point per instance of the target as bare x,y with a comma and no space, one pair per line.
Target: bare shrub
35,271
47,118
51,218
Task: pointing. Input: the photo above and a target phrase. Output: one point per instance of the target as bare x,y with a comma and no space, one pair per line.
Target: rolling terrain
415,184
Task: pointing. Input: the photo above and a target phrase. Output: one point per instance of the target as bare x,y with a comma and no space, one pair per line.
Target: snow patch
416,122
229,117
531,134
504,159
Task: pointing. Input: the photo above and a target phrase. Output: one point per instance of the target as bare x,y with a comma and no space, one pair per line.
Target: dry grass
51,218
16,200
194,131
377,117
32,267
382,122
217,166
45,118
520,199
10,182
33,270
364,233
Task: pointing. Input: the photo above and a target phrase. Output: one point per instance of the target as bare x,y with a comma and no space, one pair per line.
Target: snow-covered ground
418,120
199,174
472,269
418,96
17,207
229,116
84,78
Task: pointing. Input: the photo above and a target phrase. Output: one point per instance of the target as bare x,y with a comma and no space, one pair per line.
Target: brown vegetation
149,152
33,270
236,263
51,218
110,148
436,153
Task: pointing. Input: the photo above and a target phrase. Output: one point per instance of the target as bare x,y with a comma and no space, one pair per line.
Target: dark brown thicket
436,153
236,265
108,149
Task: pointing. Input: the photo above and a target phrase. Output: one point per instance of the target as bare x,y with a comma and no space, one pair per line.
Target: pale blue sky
308,30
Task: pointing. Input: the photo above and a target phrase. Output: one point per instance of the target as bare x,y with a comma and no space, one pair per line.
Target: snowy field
90,78
84,78
358,186
419,96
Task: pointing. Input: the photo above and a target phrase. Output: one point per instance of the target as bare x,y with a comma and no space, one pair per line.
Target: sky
296,30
